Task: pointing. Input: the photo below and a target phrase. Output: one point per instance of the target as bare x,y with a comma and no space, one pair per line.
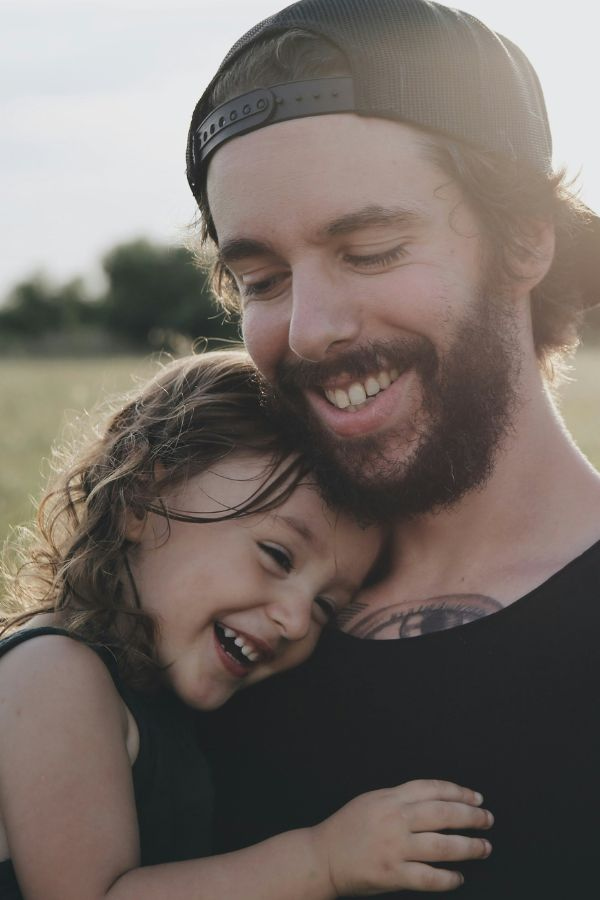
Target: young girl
186,555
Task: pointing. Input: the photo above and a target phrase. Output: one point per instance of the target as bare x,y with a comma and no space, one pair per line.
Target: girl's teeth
372,387
394,374
384,380
247,649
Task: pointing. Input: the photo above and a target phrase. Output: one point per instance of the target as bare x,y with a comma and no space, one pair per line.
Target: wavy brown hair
195,412
506,195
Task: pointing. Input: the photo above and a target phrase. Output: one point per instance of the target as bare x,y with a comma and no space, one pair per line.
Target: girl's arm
378,842
67,804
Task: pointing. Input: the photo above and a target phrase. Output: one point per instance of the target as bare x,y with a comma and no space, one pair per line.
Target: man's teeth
359,392
372,386
356,394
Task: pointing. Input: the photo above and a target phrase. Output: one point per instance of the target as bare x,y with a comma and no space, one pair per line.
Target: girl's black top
507,705
172,782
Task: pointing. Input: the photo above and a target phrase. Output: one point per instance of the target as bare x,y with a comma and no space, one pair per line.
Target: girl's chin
207,700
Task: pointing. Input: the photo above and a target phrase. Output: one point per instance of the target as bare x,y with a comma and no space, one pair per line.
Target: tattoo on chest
413,619
349,612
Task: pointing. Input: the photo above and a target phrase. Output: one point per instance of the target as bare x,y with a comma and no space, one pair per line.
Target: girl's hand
385,840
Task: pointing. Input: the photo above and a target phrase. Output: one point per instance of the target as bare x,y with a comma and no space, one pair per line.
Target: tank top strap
27,634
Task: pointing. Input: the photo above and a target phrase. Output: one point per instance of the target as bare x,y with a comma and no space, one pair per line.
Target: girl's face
242,599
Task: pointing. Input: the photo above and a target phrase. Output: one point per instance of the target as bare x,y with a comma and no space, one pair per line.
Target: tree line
155,298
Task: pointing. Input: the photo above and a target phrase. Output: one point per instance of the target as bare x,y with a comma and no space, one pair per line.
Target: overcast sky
96,97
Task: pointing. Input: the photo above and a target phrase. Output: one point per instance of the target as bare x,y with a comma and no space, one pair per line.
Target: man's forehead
340,173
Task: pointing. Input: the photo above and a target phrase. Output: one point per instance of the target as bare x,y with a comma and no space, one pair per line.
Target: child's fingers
420,877
431,847
439,815
433,789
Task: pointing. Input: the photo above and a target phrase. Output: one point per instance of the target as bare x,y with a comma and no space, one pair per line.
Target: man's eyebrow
374,215
299,526
236,249
241,248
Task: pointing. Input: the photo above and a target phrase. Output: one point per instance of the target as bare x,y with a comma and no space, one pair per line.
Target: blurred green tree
156,293
36,306
156,298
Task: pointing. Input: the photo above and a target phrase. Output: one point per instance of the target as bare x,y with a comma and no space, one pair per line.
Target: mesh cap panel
429,65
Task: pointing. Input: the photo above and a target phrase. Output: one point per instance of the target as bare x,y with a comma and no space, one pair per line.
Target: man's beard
447,448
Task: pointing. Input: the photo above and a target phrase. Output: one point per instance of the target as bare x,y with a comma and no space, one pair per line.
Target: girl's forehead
228,483
303,516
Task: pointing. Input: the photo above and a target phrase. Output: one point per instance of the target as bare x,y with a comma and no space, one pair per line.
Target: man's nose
291,612
324,319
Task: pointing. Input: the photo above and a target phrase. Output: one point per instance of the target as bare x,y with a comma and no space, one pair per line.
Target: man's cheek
265,341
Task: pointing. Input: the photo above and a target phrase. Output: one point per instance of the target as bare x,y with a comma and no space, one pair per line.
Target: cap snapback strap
266,106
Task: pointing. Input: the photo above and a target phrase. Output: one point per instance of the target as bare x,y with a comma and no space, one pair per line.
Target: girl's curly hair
195,412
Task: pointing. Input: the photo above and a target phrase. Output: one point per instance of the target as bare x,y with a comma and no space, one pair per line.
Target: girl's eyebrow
299,526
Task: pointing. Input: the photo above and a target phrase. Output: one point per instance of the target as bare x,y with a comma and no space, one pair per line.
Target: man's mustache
417,352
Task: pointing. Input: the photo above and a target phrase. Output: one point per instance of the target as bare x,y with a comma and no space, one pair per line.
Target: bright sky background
96,97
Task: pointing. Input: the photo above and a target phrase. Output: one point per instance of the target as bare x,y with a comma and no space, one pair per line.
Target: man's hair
193,414
509,197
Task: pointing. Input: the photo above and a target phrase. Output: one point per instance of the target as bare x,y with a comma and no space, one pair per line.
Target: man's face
361,275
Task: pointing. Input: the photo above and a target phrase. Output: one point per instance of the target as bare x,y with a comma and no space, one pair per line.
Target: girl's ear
136,516
135,525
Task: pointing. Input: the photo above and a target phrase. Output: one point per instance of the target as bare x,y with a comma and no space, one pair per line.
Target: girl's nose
292,614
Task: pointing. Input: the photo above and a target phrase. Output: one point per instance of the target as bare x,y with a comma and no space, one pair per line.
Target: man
377,179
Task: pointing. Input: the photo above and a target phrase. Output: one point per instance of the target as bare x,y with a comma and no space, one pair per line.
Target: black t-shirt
507,705
172,783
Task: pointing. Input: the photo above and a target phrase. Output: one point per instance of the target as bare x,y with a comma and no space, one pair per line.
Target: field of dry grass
39,401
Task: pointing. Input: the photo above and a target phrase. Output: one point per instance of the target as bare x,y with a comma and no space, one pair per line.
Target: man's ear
532,262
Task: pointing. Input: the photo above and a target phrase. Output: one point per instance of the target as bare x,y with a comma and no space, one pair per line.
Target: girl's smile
240,651
237,600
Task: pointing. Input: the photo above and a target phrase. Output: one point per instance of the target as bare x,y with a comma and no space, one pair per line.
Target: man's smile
364,391
370,411
356,394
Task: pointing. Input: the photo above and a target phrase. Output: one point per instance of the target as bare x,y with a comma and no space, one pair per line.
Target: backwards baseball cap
410,60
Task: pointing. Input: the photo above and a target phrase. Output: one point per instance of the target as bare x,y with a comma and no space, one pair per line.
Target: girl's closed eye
326,610
281,556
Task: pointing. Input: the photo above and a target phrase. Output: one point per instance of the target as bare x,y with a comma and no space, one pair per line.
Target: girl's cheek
301,650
